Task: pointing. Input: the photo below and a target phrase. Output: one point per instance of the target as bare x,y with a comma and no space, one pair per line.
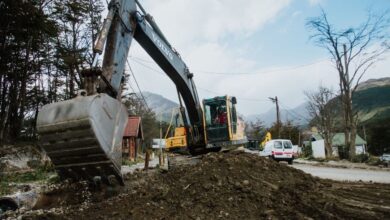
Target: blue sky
265,38
287,38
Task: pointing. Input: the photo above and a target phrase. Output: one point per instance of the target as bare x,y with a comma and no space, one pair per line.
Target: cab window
215,114
208,112
278,144
287,145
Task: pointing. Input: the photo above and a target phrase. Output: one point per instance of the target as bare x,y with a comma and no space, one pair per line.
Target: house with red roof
132,138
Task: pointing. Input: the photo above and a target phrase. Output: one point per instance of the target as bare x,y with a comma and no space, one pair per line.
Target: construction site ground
231,185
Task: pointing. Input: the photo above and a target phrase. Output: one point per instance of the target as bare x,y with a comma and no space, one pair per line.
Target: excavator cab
220,118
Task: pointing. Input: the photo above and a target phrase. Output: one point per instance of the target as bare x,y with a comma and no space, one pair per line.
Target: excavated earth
233,185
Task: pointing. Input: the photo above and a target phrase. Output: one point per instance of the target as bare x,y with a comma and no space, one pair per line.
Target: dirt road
345,174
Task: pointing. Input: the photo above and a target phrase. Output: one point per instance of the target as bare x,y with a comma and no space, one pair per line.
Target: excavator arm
125,23
82,136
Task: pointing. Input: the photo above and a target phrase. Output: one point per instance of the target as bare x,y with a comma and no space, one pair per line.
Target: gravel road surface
347,174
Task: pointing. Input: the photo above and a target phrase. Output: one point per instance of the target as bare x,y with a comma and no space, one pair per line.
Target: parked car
279,150
385,159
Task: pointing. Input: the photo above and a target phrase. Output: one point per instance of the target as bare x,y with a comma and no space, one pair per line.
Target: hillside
372,83
372,100
160,105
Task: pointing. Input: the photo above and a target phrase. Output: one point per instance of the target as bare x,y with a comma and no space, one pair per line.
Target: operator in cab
221,116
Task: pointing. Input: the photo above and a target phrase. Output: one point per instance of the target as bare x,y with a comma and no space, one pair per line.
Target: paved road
348,174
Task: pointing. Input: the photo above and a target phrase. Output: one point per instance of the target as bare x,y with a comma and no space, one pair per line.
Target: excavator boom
82,136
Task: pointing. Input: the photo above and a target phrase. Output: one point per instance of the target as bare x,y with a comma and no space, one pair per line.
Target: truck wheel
290,162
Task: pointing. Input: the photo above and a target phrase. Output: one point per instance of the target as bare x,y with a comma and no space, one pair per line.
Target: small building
338,148
132,138
338,142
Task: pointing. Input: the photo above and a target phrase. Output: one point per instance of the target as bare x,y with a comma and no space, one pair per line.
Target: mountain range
163,108
160,105
372,99
298,115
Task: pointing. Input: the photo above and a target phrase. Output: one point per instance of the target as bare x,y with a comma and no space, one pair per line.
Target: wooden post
147,157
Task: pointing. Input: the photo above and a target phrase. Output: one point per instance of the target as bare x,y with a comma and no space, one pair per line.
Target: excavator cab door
217,119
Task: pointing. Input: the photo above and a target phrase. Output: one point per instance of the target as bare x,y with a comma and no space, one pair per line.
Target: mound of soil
233,185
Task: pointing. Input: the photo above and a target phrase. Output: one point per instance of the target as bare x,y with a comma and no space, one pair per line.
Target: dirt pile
232,185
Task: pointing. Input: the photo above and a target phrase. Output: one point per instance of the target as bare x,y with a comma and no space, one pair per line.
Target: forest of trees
44,46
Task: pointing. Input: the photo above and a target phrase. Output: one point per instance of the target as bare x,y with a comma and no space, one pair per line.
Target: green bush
374,161
307,151
360,158
127,162
9,179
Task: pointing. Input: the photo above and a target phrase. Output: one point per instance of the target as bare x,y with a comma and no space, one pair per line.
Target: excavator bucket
83,137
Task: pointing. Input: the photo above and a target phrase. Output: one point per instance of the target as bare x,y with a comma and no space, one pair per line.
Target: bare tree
255,129
322,108
353,52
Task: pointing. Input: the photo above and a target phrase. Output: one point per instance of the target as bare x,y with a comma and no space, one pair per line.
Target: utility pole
275,100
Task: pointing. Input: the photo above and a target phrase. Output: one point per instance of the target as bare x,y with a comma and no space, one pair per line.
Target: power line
264,72
289,112
240,98
148,67
292,112
139,60
136,82
207,90
200,88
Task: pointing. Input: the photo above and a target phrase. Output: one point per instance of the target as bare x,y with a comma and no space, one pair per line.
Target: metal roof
339,140
134,127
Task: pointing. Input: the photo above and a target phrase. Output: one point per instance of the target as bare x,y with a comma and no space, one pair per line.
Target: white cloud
296,14
315,2
200,29
187,22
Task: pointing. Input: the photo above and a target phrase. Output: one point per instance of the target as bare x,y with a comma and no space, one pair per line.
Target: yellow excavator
82,136
267,138
221,130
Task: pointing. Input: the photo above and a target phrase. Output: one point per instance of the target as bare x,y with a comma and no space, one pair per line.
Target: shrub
374,161
360,158
307,151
